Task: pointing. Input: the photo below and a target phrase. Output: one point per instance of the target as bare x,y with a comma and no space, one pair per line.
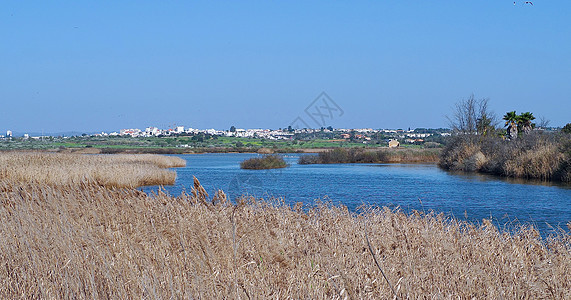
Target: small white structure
9,133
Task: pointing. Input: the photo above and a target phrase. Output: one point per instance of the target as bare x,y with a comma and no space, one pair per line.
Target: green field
184,144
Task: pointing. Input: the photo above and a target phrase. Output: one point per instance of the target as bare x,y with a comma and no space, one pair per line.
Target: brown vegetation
269,161
352,155
73,237
86,241
106,170
535,156
160,151
264,150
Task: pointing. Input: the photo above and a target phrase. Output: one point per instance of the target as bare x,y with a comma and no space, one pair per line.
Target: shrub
456,152
541,162
535,155
271,161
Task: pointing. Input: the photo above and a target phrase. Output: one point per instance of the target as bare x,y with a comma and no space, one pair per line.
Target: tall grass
107,170
86,241
65,235
342,155
534,156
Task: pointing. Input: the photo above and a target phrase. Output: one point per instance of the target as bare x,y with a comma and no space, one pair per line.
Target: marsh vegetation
267,161
78,238
125,170
387,155
86,241
522,150
532,156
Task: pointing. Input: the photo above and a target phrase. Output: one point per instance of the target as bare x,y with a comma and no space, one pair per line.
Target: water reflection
489,177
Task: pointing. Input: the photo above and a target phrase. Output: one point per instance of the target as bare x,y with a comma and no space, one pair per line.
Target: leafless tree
472,116
543,122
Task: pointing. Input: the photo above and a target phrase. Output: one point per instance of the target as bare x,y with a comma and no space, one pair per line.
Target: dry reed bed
86,241
535,155
386,155
267,161
124,170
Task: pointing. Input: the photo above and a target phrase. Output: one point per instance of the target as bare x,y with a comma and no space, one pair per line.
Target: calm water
408,186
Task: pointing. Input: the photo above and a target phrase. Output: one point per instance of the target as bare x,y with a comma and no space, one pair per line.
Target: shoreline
104,150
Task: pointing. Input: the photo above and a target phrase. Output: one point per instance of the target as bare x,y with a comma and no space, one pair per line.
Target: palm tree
525,121
512,120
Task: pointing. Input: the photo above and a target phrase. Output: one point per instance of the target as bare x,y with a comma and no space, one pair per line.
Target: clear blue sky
103,65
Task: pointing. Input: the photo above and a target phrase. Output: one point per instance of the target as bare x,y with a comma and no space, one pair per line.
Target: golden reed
81,240
121,170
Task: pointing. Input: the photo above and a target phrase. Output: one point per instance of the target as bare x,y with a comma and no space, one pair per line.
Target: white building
9,133
152,131
418,135
134,132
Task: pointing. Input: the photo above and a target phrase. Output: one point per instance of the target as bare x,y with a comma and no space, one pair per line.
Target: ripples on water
425,187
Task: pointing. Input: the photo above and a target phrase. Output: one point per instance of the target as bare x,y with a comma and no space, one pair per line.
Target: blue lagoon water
470,197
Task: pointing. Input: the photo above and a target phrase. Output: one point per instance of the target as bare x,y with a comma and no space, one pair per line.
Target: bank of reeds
535,155
144,150
268,161
387,155
84,241
107,170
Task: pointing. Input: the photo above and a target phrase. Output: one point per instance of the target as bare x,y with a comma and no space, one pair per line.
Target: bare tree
472,116
543,122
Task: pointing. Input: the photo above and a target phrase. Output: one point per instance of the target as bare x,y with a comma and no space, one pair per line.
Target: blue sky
103,65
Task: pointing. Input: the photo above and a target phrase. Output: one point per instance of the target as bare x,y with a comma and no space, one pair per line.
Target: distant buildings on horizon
411,135
280,134
285,133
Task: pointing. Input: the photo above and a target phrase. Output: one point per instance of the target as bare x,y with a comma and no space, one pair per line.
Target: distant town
362,134
180,139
